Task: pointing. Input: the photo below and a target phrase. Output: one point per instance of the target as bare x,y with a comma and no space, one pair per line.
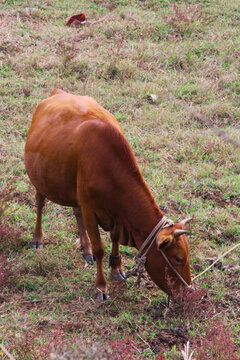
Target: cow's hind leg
84,239
98,252
115,262
37,233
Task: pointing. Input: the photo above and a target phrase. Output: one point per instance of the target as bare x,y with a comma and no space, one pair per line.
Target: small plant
112,70
41,264
28,347
123,349
160,357
215,340
216,343
187,15
190,303
184,19
193,303
186,352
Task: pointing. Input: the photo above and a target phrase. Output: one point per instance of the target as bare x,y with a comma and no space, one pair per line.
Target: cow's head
172,241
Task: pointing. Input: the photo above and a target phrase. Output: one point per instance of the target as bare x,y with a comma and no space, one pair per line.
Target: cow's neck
142,214
137,210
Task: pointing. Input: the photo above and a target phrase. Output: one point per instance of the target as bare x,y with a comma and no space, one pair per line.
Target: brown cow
76,155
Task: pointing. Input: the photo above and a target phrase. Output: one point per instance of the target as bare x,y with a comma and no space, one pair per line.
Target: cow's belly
54,179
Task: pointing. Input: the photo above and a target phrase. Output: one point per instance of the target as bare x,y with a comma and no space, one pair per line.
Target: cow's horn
178,233
185,221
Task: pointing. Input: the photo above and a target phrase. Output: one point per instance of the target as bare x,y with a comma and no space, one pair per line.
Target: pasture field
187,54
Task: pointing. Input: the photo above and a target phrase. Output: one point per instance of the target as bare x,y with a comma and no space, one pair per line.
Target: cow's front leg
37,233
98,252
115,262
84,239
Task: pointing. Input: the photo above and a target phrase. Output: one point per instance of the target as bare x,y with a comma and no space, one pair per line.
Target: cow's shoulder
62,109
84,107
57,91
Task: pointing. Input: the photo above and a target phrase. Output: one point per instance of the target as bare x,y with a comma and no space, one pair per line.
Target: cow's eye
178,260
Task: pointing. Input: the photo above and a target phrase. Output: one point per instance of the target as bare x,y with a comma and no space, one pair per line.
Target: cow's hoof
102,295
119,276
36,246
89,259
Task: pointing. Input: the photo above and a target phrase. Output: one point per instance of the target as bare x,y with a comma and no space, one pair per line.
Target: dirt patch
211,195
167,338
174,207
8,48
217,196
22,198
66,326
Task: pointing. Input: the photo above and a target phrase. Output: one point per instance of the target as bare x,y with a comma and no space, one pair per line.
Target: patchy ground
185,53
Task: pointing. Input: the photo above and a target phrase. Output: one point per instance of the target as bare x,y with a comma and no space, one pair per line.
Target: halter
141,258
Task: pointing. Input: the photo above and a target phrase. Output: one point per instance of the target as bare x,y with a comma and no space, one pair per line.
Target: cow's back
62,130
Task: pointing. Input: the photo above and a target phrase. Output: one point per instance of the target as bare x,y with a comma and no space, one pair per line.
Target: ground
186,54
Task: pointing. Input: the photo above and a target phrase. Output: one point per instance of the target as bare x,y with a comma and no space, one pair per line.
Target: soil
217,196
167,338
23,198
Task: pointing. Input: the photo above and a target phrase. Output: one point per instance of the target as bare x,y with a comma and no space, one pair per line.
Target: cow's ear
164,241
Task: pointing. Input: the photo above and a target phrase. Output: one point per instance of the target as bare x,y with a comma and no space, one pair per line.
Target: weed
41,264
187,15
29,347
160,357
184,21
186,352
189,303
216,343
113,70
123,349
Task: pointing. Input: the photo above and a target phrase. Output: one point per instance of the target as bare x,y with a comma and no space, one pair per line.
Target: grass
184,53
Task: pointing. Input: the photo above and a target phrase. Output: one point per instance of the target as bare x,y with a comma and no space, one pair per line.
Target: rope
207,122
215,128
174,270
164,222
209,267
138,269
140,259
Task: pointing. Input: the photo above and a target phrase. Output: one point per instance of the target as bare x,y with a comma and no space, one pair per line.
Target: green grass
142,48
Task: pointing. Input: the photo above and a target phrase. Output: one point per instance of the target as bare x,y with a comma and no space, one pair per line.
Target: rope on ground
206,121
215,128
227,252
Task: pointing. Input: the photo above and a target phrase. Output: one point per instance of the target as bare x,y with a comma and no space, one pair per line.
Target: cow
77,155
